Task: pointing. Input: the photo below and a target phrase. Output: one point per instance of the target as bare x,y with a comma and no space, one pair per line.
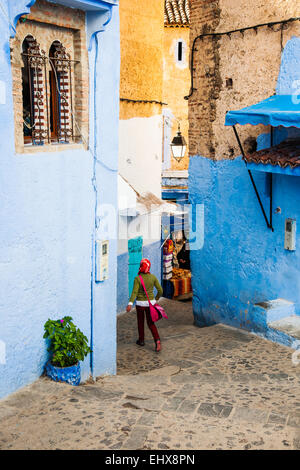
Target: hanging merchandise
168,247
177,280
167,266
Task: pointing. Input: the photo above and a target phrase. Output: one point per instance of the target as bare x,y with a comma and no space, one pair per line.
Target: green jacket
150,282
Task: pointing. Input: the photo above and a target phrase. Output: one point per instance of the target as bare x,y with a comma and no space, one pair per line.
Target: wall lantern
178,146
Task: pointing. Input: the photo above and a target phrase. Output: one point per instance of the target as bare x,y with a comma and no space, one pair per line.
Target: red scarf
145,266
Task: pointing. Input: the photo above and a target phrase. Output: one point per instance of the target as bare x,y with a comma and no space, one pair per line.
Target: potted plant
68,346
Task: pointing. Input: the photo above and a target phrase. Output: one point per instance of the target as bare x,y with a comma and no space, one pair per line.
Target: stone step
274,310
289,325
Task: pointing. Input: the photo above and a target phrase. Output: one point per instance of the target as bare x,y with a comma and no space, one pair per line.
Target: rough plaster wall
47,221
289,77
142,28
141,153
220,59
253,80
242,262
236,13
176,86
205,17
107,147
122,282
45,244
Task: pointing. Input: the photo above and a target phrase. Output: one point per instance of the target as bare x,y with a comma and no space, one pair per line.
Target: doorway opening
176,270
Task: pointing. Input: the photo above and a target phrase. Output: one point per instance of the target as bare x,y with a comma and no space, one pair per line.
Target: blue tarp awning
278,110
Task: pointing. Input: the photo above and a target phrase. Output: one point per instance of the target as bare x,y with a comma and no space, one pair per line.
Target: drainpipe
95,189
97,26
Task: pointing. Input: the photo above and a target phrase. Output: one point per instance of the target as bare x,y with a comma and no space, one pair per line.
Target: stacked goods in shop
182,286
181,280
181,273
168,260
167,266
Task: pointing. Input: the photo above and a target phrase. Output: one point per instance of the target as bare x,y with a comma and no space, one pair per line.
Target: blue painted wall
153,253
242,262
48,229
122,291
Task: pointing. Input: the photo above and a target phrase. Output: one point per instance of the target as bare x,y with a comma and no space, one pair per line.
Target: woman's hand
128,308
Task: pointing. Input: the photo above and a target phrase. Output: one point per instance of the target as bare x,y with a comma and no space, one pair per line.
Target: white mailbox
290,235
102,260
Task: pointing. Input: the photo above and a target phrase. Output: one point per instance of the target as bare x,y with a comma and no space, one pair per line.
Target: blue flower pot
70,375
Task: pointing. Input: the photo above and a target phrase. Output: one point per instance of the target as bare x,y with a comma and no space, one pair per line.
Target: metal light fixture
178,145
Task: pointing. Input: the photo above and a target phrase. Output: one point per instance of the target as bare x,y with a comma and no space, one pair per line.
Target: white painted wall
146,226
126,195
140,157
168,118
184,63
140,163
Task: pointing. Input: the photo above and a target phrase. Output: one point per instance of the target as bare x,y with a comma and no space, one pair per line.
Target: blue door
135,250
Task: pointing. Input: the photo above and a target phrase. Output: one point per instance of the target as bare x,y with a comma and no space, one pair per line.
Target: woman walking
142,304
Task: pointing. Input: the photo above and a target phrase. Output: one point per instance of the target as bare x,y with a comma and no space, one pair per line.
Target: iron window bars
58,104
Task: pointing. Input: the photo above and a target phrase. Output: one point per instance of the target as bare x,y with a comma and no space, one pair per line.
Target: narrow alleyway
210,388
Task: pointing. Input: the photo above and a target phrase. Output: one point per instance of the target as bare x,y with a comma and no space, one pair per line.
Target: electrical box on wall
102,260
290,235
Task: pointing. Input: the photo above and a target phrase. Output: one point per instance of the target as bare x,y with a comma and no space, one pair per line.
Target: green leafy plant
68,345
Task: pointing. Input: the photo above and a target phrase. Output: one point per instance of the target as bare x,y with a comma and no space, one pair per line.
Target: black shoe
140,343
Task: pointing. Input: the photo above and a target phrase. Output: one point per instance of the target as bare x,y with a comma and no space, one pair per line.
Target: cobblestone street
210,388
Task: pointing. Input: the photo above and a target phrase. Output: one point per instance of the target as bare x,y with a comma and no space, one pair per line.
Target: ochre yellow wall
142,29
176,86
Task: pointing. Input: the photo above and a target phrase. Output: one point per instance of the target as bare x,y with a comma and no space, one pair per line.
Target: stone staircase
281,321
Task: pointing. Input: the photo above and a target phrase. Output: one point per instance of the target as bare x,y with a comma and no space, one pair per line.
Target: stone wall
230,73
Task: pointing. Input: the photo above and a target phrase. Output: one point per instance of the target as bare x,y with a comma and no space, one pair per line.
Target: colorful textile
182,286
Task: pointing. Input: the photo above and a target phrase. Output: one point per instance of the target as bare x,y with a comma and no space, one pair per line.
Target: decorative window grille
61,93
47,94
34,92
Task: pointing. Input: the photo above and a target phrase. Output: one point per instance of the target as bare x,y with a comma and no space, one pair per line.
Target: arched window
45,98
60,79
33,83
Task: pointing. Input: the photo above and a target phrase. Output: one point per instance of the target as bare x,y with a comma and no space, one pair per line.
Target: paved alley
210,388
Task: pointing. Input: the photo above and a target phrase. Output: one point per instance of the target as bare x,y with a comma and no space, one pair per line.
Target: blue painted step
278,321
288,325
276,309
